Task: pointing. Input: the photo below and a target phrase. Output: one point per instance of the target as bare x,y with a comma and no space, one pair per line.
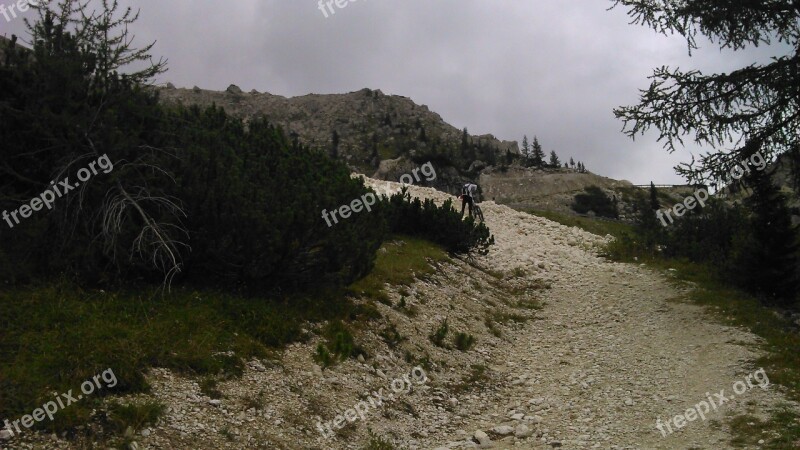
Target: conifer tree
509,157
655,204
537,157
526,150
768,263
554,161
758,101
649,227
334,144
86,96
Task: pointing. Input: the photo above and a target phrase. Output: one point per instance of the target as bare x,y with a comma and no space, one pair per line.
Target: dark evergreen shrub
440,224
594,199
254,206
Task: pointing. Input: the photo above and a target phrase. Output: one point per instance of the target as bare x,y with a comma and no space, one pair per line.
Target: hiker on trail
468,193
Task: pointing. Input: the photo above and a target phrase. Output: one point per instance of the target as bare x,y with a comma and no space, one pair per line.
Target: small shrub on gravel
464,341
255,402
135,416
477,377
529,304
339,345
492,327
424,362
439,335
405,308
378,443
226,433
208,386
509,317
323,356
392,337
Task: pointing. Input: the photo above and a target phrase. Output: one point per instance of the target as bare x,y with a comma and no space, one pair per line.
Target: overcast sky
551,68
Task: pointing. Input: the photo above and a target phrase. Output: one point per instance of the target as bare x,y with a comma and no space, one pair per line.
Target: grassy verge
732,307
55,336
400,261
596,226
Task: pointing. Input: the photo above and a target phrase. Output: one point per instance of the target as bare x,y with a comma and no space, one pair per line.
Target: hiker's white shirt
472,189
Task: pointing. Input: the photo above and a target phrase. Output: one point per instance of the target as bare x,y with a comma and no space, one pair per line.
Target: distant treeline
750,244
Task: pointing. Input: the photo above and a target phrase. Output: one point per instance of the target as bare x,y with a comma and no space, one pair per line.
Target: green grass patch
378,443
595,226
391,336
780,432
504,317
400,261
210,387
464,341
440,334
475,379
339,346
385,152
56,336
492,327
135,416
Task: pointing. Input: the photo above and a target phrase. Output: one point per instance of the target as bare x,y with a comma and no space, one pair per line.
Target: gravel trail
610,349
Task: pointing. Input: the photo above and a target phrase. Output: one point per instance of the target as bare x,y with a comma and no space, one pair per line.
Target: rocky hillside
386,136
362,127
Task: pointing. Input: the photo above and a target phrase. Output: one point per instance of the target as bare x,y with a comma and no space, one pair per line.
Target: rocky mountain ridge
363,121
386,136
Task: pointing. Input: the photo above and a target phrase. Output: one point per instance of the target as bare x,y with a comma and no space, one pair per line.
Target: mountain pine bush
254,202
594,199
440,224
194,194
